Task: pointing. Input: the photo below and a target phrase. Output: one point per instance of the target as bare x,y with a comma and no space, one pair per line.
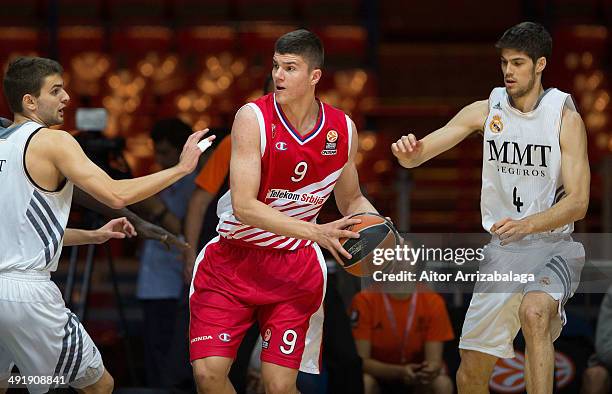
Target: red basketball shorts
234,285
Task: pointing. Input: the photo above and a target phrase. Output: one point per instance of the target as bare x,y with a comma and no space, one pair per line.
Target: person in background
596,378
160,276
400,337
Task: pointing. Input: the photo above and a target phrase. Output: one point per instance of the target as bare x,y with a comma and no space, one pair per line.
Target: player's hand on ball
406,149
191,151
330,234
510,230
117,228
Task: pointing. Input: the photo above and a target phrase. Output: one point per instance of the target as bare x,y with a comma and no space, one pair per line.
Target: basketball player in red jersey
289,152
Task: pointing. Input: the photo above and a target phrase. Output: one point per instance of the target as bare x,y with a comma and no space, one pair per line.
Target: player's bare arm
245,170
349,198
411,152
143,228
117,228
54,155
576,176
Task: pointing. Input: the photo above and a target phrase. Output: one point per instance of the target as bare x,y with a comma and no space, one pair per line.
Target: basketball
375,232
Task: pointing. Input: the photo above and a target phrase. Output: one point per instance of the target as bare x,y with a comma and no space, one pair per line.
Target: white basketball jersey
521,163
33,220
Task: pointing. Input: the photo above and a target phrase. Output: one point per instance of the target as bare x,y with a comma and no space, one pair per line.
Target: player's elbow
241,210
117,202
581,207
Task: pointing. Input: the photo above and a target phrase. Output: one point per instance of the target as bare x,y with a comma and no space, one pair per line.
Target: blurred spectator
596,378
400,338
160,276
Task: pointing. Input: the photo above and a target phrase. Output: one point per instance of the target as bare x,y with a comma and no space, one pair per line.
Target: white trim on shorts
314,334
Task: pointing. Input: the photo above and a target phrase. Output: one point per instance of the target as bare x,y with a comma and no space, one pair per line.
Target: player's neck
20,118
527,102
302,113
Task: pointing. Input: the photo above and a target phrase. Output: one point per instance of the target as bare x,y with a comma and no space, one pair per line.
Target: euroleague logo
330,143
509,373
265,343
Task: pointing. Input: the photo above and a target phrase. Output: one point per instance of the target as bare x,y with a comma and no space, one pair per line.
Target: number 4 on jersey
516,201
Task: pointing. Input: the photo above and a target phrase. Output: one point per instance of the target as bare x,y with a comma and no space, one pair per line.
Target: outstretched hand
191,151
117,228
406,148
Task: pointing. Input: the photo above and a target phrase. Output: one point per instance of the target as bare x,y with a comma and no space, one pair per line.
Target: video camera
107,153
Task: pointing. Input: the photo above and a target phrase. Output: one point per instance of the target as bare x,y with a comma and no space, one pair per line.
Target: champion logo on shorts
225,337
267,335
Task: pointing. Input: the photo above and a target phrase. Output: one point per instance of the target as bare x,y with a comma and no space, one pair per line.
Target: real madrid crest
496,126
330,143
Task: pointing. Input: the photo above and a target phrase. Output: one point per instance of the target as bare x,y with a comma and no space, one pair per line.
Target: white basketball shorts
492,320
42,337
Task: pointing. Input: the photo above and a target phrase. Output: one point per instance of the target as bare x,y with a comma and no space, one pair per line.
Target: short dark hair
172,130
529,37
26,75
303,43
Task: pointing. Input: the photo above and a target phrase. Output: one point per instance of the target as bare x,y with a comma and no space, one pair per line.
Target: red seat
138,12
24,13
320,12
130,45
266,10
78,12
198,12
345,45
257,41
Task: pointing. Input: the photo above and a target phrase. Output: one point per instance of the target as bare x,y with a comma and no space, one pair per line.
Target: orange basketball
375,232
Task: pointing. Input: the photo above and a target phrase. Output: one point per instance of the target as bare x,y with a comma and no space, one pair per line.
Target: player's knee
207,377
108,385
534,319
474,369
280,385
104,385
464,376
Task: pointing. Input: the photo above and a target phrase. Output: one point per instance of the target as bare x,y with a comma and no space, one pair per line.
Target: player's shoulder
479,107
334,112
55,138
570,112
253,109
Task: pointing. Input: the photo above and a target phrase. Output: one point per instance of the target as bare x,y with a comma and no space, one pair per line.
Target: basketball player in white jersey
535,182
38,168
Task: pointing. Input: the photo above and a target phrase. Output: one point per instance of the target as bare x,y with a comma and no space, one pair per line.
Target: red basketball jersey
298,173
